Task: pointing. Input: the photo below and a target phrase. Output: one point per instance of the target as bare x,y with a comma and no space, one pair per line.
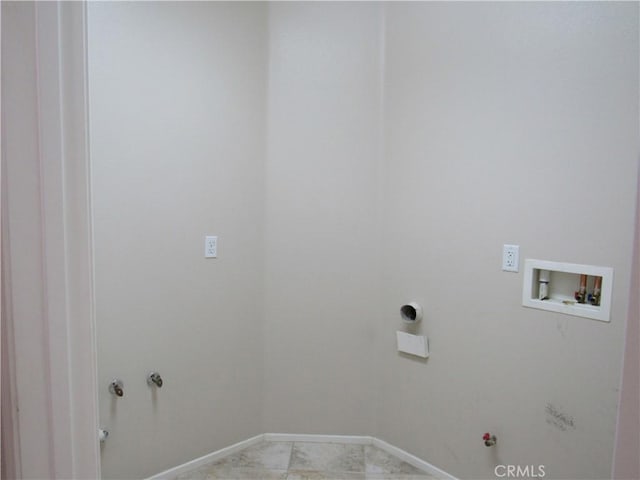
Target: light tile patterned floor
308,461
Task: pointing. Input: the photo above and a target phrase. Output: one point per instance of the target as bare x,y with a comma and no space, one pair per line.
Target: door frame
66,322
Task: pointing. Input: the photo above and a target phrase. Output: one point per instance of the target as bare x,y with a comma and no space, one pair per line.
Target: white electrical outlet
510,258
210,247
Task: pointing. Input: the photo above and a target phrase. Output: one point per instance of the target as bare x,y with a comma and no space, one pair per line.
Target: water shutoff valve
154,379
116,387
489,440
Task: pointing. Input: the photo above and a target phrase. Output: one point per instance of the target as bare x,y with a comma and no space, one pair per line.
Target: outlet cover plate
510,258
210,246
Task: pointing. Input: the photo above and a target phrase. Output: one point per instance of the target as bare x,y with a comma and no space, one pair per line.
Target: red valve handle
486,436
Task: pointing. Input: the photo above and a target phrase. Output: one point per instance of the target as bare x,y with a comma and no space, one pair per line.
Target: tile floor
308,461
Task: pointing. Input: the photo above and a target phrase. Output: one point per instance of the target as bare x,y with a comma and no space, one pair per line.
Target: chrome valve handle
154,378
116,387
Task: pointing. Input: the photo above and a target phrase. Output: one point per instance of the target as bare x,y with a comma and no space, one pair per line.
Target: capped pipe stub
411,312
544,276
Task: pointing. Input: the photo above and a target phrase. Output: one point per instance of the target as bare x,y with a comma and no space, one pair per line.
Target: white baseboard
296,437
301,437
211,457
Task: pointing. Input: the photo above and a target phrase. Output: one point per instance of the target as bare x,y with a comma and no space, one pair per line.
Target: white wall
495,123
321,219
506,123
177,97
626,463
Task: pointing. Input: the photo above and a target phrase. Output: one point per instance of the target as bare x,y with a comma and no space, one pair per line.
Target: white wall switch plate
510,258
413,344
210,247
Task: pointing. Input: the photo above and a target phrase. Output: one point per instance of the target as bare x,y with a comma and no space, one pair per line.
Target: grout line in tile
293,445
